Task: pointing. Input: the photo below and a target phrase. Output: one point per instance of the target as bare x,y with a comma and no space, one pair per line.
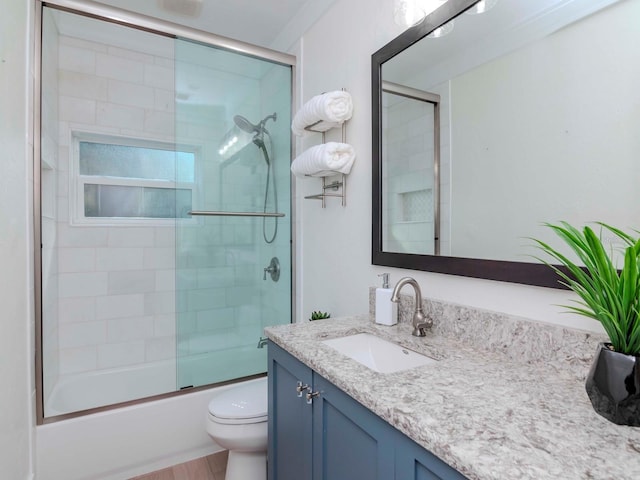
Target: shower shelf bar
206,213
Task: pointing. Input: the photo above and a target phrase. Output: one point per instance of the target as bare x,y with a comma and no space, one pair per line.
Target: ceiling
275,24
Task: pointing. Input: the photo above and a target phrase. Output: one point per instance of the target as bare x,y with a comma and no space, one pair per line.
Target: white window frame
78,181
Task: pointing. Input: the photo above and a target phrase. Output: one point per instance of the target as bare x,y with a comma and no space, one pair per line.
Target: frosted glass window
138,202
136,162
132,180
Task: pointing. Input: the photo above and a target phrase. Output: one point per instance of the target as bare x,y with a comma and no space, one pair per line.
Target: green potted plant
612,297
319,315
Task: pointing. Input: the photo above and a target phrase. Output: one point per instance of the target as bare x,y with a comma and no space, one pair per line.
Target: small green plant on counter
610,296
319,315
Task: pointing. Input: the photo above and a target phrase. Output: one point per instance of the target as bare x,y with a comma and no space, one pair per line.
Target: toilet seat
237,421
242,404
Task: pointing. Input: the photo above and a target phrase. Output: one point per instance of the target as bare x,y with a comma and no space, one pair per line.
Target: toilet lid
244,401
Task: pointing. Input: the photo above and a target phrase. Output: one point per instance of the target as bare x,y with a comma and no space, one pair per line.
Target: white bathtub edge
126,442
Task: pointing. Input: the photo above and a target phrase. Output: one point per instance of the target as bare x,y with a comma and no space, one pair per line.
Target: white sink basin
378,354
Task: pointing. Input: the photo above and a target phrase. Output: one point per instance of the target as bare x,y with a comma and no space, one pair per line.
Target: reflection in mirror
410,129
540,114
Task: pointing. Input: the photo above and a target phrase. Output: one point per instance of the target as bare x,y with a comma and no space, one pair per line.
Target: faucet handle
419,332
420,324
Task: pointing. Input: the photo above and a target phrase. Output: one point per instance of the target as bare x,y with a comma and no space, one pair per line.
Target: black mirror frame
536,274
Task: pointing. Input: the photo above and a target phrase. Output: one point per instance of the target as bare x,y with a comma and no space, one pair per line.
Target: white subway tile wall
115,284
111,355
76,309
87,284
136,237
119,306
83,334
77,259
129,328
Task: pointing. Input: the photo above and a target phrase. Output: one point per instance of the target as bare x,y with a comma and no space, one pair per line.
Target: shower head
258,139
246,126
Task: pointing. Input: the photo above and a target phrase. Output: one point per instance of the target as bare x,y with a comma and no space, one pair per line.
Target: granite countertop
491,413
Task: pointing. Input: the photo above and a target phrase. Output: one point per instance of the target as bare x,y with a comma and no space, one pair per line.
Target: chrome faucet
420,322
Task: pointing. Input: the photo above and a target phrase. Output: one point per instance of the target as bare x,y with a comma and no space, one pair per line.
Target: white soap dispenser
386,310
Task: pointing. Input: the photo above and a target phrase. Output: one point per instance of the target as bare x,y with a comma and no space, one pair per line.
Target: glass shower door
137,129
233,252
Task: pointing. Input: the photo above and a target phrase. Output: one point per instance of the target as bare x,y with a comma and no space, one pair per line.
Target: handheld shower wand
259,131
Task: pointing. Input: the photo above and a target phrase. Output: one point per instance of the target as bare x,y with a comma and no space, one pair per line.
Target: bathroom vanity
504,399
318,431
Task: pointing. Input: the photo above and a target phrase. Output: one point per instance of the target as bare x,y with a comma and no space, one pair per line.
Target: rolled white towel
324,160
331,109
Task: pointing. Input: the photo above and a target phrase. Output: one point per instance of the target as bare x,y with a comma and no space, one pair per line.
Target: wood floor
205,468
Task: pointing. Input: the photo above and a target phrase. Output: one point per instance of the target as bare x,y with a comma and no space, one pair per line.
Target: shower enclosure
162,206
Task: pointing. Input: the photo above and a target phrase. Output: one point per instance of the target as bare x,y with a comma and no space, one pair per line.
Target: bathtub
87,390
123,442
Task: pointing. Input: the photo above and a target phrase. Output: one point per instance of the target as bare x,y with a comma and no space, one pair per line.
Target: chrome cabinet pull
300,388
311,396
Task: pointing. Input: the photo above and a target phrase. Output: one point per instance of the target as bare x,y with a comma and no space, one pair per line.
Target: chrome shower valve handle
273,270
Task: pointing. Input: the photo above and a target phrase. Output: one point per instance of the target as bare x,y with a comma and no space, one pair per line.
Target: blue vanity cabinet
415,463
334,437
349,441
290,417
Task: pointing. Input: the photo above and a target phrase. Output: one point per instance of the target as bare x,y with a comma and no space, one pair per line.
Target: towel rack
207,213
339,187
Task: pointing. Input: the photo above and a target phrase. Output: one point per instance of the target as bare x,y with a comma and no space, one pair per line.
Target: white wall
334,268
16,282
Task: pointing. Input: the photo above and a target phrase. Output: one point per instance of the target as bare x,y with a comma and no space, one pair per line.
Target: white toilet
237,421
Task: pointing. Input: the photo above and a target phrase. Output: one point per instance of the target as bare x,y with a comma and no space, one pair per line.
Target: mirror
536,119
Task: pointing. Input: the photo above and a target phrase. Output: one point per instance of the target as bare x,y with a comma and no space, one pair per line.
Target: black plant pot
613,386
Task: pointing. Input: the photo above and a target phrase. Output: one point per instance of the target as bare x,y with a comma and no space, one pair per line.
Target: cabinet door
349,441
415,463
290,418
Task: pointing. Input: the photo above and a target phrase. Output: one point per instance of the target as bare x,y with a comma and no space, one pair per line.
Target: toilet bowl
237,421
